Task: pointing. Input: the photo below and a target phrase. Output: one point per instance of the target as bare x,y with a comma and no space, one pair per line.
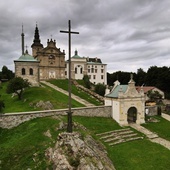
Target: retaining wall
10,120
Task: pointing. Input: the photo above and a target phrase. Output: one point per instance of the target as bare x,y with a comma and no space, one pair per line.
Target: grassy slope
64,85
138,155
21,144
33,95
19,147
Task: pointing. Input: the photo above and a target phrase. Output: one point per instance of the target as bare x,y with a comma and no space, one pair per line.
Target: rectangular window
88,70
92,70
101,76
94,76
95,70
102,70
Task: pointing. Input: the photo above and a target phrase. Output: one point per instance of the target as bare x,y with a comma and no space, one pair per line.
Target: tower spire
22,40
36,41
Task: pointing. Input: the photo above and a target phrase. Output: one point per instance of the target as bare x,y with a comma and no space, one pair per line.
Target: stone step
120,137
117,134
119,130
125,140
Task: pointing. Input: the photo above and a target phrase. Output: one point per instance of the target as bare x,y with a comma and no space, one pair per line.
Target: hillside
33,95
26,148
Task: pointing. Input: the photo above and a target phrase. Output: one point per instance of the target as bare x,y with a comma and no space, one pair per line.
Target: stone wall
11,120
151,110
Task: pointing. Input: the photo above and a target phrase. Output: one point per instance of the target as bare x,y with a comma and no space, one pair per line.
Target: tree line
155,76
6,74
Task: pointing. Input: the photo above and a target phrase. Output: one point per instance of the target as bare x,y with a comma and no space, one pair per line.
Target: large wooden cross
69,32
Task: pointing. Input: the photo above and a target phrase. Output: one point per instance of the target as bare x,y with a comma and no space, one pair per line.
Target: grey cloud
125,34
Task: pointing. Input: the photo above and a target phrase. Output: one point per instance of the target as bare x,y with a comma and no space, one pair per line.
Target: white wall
116,110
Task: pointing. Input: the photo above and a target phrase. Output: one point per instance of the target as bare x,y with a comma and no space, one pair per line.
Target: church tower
36,46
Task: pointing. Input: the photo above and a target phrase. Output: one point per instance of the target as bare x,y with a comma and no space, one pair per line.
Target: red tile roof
145,88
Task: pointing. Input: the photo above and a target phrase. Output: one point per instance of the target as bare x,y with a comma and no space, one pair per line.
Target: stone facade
28,68
11,120
45,63
128,105
52,60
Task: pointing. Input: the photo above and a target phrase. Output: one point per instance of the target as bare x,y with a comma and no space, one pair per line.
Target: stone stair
119,136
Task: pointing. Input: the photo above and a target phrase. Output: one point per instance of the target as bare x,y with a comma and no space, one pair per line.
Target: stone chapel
128,105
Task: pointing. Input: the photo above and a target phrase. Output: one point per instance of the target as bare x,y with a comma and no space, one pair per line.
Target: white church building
128,105
93,67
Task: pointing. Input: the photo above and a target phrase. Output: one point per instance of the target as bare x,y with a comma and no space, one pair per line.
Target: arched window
81,70
23,71
76,70
31,71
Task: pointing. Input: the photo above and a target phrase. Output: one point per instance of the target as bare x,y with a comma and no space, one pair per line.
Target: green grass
31,96
162,128
64,85
20,145
97,124
138,155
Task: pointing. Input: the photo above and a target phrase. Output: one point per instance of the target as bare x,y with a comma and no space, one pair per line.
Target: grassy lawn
23,147
33,95
138,155
64,85
162,128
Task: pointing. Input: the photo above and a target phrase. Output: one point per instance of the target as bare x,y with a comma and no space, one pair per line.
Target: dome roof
27,57
76,55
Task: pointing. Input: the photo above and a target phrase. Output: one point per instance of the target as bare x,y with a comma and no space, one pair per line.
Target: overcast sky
125,34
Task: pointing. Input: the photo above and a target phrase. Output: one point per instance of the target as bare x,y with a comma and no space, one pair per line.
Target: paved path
166,116
153,137
80,100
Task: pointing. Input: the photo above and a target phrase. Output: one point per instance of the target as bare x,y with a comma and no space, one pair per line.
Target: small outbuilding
128,105
27,67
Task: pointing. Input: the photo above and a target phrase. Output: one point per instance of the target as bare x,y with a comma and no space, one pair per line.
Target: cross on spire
69,125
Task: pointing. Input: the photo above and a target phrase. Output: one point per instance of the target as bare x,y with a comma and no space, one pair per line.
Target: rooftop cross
69,125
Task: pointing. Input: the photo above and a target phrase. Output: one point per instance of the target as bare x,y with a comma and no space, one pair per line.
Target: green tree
6,73
87,81
17,85
100,89
154,95
140,77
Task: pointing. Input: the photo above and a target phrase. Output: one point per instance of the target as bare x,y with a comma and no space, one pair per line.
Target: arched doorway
132,115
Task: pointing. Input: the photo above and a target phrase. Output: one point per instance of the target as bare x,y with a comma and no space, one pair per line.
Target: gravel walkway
165,116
